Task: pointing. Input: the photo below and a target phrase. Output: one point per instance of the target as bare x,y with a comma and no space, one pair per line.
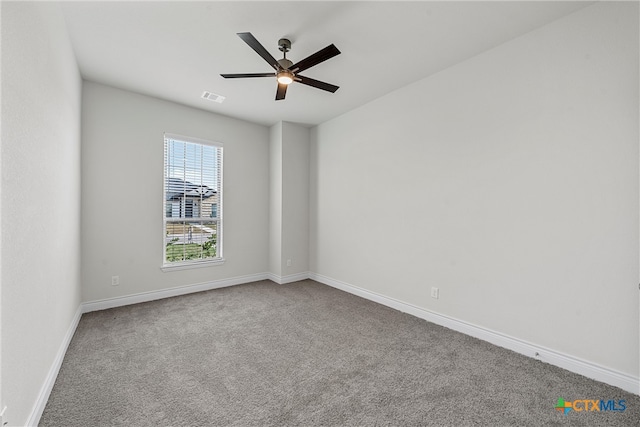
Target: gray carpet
303,354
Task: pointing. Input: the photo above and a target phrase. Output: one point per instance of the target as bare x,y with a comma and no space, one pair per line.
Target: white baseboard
50,380
570,363
47,386
281,280
565,361
171,292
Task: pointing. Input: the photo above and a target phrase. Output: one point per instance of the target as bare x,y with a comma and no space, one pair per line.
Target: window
192,202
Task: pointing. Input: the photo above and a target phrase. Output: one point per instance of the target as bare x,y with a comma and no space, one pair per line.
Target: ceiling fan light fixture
285,77
285,70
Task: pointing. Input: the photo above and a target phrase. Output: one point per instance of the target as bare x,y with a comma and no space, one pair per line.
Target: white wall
122,168
289,201
295,190
40,199
509,181
275,200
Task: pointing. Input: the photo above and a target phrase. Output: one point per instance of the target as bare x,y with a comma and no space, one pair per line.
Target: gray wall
289,201
122,161
275,200
509,181
40,196
295,190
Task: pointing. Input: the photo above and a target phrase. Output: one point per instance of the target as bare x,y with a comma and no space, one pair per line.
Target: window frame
202,262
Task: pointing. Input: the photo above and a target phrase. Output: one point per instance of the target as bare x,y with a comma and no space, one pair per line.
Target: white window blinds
192,200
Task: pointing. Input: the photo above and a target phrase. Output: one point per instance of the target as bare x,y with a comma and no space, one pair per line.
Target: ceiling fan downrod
284,45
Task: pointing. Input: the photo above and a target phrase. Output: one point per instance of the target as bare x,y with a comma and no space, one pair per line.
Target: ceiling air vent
212,97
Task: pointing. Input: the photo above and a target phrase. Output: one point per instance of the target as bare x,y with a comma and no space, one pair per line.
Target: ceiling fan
286,71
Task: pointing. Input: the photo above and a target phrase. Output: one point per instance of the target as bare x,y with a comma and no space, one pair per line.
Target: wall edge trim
52,375
282,280
574,364
107,303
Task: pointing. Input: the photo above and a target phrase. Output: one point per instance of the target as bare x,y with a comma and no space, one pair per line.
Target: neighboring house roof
177,188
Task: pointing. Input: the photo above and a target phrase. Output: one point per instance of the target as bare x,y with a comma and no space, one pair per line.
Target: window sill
191,265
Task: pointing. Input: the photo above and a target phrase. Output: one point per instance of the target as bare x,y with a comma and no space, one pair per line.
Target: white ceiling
176,50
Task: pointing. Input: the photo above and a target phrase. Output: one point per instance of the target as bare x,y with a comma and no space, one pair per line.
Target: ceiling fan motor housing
284,45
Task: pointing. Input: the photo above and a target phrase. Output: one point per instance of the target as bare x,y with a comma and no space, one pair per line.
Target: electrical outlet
115,280
288,263
435,293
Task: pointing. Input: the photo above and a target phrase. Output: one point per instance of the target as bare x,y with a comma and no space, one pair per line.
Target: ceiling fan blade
318,57
316,83
281,92
260,50
240,76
